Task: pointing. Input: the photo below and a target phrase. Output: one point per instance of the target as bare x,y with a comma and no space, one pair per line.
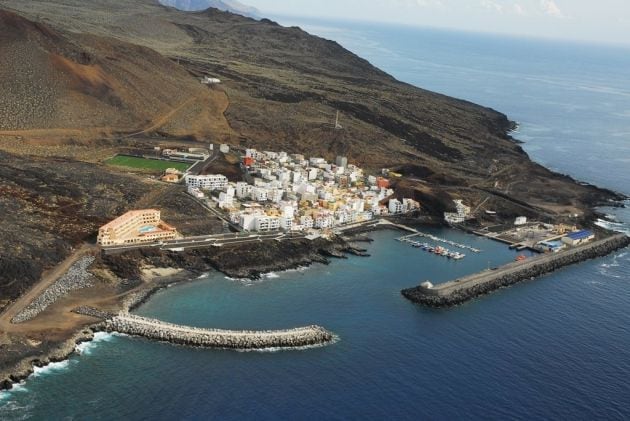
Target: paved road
215,240
201,165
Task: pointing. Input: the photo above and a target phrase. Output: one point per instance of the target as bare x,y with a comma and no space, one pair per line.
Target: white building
267,223
307,222
210,80
275,195
207,182
195,192
357,205
521,220
243,190
341,161
323,221
462,214
286,223
288,211
225,200
395,206
247,221
410,204
260,194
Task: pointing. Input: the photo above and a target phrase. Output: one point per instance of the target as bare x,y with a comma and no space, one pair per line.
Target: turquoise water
556,347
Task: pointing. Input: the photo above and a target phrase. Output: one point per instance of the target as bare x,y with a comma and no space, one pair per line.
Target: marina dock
440,240
461,290
438,250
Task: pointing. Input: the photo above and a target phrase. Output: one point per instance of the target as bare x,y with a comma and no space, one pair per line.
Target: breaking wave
51,368
617,267
17,388
613,226
265,276
85,348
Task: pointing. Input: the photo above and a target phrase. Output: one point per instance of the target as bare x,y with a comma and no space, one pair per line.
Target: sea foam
85,348
51,368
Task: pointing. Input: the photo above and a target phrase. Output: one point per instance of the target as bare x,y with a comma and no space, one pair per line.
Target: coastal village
279,201
292,193
282,192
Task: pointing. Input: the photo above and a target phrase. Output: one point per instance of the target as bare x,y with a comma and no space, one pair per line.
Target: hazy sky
594,20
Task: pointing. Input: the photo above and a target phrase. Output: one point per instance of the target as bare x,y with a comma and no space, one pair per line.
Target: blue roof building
553,246
578,237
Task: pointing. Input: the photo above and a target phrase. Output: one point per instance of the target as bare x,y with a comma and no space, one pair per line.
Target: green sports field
146,164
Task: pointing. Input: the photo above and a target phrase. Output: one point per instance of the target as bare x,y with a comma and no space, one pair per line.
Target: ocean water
555,347
572,101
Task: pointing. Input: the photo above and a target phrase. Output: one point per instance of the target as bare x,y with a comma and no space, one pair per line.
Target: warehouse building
578,237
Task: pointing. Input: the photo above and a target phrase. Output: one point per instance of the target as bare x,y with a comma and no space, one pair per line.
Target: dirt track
48,278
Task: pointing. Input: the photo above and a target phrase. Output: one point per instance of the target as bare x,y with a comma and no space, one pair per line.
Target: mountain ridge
231,6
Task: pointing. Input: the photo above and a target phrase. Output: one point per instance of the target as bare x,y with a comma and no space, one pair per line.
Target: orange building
170,178
137,226
382,182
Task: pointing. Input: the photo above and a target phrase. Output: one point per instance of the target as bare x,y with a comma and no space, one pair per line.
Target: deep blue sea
557,347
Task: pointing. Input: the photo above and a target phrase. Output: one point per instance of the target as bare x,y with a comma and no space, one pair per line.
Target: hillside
232,6
87,75
285,86
80,84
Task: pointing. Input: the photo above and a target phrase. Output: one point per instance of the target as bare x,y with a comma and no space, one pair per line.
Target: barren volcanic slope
83,85
284,87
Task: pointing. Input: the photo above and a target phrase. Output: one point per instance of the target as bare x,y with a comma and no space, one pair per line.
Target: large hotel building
138,226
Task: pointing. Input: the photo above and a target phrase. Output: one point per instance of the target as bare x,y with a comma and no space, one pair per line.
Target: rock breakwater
215,338
461,290
77,277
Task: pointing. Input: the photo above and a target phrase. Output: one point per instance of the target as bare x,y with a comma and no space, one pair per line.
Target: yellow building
170,178
137,226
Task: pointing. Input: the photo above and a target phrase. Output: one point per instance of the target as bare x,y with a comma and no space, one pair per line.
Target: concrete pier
215,338
461,290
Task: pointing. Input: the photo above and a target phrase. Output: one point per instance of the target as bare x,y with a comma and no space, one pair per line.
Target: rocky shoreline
300,255
251,261
57,353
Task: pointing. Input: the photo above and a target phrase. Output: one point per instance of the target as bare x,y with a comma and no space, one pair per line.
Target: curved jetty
461,290
215,338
